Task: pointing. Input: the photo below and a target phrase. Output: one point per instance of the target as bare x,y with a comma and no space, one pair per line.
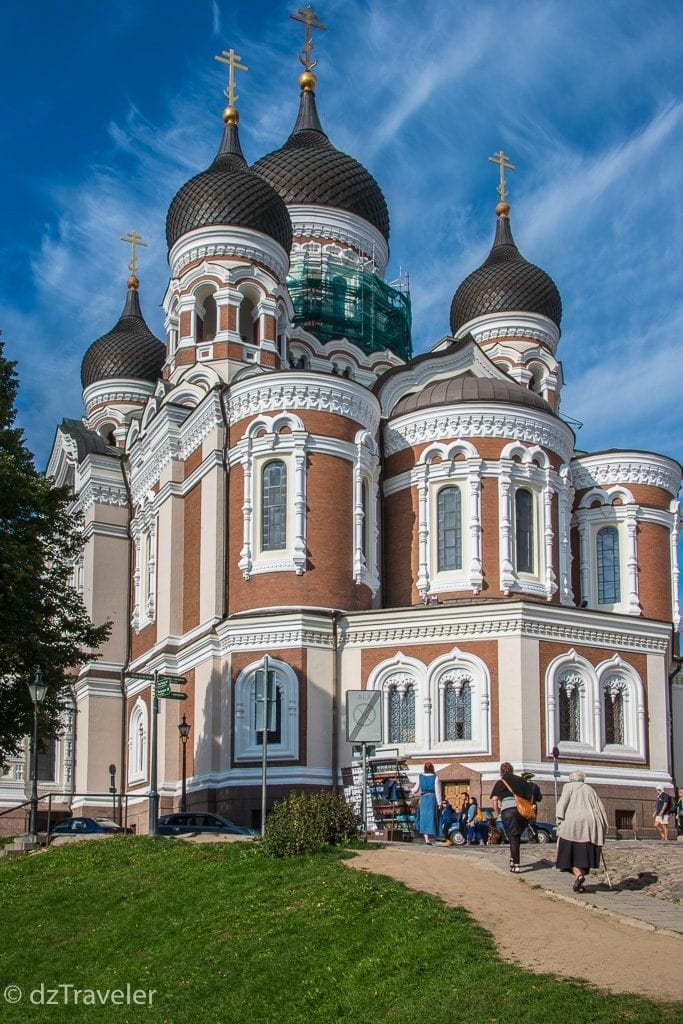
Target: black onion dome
505,282
129,351
229,194
309,169
468,388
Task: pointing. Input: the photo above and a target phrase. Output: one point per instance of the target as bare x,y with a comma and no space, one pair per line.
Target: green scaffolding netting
335,300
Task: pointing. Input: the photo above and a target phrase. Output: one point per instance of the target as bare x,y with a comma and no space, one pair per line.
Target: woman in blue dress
428,788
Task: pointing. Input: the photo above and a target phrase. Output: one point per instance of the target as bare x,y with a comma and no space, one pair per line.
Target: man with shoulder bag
512,798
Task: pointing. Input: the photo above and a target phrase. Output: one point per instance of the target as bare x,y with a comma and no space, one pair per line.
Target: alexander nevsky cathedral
281,477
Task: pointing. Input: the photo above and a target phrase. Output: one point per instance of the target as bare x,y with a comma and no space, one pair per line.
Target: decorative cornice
338,226
205,419
479,420
492,326
233,242
117,391
337,396
625,467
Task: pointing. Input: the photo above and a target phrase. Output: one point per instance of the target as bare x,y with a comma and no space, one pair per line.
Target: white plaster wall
170,547
511,713
677,718
98,743
319,716
350,671
212,557
657,699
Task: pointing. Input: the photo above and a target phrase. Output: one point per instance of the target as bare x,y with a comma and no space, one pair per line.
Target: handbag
525,808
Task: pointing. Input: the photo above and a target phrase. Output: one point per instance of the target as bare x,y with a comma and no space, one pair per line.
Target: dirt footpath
539,931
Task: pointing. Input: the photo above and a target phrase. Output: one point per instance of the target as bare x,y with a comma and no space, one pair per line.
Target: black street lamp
184,730
37,689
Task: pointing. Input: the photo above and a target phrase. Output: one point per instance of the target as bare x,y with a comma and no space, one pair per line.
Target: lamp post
556,772
37,689
184,730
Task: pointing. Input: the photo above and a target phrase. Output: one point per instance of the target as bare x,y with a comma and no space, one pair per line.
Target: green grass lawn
224,934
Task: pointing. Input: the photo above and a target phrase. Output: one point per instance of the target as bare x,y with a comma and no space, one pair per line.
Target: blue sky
110,107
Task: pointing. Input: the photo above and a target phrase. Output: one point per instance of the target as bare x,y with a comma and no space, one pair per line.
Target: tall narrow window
147,571
275,734
449,529
570,708
614,712
609,583
458,711
401,714
46,761
524,530
274,507
365,531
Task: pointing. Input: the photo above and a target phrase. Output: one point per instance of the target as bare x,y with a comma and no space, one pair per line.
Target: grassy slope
226,935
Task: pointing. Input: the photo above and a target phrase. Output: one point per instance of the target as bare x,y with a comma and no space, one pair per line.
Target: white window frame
635,717
527,468
438,467
246,747
403,671
454,666
144,532
269,438
366,471
564,663
138,742
596,510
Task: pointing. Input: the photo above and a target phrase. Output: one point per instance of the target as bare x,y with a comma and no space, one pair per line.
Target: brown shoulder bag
525,808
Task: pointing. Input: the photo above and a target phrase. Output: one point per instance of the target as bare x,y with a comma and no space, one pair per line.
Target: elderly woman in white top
581,827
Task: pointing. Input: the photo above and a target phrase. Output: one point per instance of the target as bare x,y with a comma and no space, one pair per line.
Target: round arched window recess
206,314
246,321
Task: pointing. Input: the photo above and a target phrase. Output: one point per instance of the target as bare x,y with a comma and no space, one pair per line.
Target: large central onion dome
129,351
505,283
229,194
309,170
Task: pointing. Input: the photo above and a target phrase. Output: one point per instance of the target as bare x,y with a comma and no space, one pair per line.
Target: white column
632,560
423,531
476,573
507,572
246,554
565,497
675,571
299,556
548,537
585,557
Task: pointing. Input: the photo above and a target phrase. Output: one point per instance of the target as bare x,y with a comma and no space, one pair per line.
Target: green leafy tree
43,621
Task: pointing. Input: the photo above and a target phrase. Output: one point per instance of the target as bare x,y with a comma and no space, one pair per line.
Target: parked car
86,826
185,823
540,831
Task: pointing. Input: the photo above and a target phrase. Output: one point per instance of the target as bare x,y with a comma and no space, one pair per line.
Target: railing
118,801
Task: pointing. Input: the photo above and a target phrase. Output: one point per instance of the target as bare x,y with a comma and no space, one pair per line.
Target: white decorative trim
402,671
138,740
326,222
565,498
366,473
144,536
238,243
256,451
527,326
246,747
675,570
479,420
624,518
117,390
627,468
302,391
439,673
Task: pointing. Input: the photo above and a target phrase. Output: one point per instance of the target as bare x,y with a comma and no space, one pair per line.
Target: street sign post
266,720
364,727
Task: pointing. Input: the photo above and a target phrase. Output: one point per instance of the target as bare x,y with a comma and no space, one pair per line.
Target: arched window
615,693
524,530
246,321
449,529
283,738
46,761
401,713
458,710
570,697
609,582
274,506
274,734
137,744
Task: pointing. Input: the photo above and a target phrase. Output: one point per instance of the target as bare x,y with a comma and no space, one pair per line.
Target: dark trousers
514,826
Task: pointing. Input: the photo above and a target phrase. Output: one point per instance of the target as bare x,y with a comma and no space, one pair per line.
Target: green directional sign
173,695
163,688
178,680
140,675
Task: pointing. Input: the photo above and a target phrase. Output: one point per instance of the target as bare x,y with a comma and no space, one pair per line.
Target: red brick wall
191,556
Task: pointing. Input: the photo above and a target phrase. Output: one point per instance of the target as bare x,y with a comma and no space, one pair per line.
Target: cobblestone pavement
652,867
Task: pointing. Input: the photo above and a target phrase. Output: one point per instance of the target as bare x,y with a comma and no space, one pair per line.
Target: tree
43,621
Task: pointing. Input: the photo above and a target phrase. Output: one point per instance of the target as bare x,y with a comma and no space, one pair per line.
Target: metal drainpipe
336,700
222,390
677,661
129,587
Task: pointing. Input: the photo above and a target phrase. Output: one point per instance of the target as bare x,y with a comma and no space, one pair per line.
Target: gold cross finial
310,20
232,59
134,240
503,162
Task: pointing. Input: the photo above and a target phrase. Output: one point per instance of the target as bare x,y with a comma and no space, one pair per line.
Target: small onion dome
468,388
309,170
128,352
505,282
229,194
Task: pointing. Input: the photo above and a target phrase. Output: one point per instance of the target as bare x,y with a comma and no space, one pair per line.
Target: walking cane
604,864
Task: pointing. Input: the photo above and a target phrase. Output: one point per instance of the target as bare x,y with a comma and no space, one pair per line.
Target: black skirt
577,855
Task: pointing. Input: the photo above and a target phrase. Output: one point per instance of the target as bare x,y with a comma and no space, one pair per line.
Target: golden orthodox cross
310,20
503,162
134,239
232,59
